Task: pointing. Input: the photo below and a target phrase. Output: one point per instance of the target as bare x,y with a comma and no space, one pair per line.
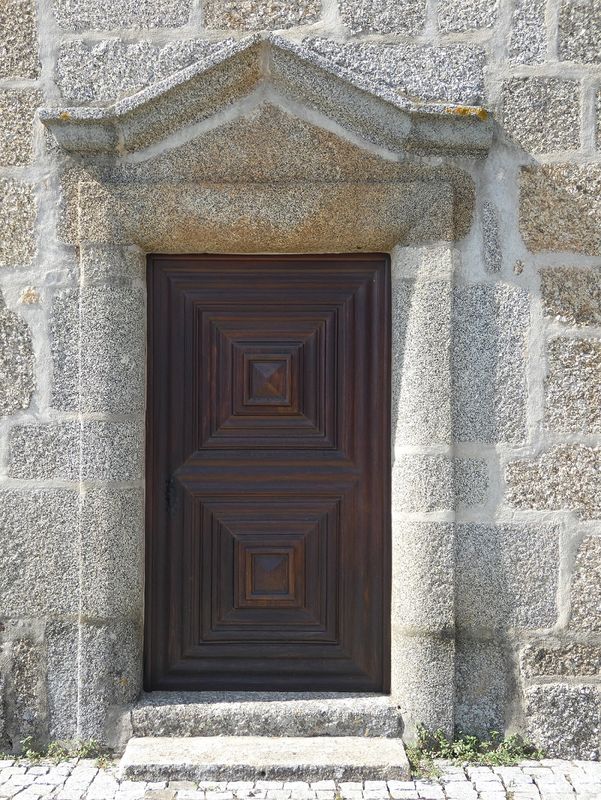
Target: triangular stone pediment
239,89
265,144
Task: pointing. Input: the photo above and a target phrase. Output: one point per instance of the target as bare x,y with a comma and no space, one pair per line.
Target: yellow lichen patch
29,296
468,111
64,115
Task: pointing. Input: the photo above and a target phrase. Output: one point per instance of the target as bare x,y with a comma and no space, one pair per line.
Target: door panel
268,552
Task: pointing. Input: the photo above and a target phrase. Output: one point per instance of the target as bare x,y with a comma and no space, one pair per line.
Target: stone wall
509,456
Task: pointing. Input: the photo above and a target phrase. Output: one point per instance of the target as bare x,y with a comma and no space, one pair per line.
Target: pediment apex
264,64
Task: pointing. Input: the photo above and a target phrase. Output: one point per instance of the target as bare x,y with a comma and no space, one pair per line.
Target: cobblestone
549,779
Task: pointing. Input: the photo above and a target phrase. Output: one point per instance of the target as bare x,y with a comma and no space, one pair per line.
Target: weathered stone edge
434,127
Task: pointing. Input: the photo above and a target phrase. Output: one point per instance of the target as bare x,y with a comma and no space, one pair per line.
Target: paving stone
580,31
542,114
565,477
573,385
571,295
383,16
560,208
17,218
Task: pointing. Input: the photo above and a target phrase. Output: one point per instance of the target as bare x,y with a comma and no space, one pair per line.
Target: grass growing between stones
61,751
492,751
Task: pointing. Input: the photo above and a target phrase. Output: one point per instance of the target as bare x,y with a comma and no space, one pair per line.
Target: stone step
265,714
252,758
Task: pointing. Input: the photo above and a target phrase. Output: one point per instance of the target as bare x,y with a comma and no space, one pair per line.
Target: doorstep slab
265,714
239,758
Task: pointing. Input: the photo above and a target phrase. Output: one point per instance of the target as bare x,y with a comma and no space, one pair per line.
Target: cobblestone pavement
549,779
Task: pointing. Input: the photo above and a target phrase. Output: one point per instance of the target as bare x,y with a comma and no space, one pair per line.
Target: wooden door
268,553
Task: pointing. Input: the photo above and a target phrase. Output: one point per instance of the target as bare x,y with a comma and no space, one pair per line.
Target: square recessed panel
269,574
266,379
269,381
269,570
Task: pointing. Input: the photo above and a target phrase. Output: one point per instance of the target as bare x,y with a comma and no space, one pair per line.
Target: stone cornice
271,65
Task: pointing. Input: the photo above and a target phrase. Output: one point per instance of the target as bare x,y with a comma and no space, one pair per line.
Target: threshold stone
246,758
265,714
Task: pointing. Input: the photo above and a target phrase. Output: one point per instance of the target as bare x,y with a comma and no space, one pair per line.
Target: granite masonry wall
496,364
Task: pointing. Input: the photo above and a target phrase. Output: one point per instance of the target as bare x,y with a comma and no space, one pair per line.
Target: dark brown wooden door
268,473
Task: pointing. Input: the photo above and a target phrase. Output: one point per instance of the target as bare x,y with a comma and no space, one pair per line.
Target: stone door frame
413,207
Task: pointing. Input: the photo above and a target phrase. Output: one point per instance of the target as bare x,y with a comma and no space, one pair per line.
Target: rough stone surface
16,362
560,208
498,584
585,595
578,708
81,15
550,779
580,31
423,585
571,295
488,363
62,651
19,48
112,522
110,263
248,218
26,715
426,690
257,15
264,714
573,385
110,672
565,478
109,451
249,758
17,217
39,549
453,73
527,40
112,68
383,16
465,15
573,659
17,111
99,349
436,483
482,691
542,114
421,381
493,257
